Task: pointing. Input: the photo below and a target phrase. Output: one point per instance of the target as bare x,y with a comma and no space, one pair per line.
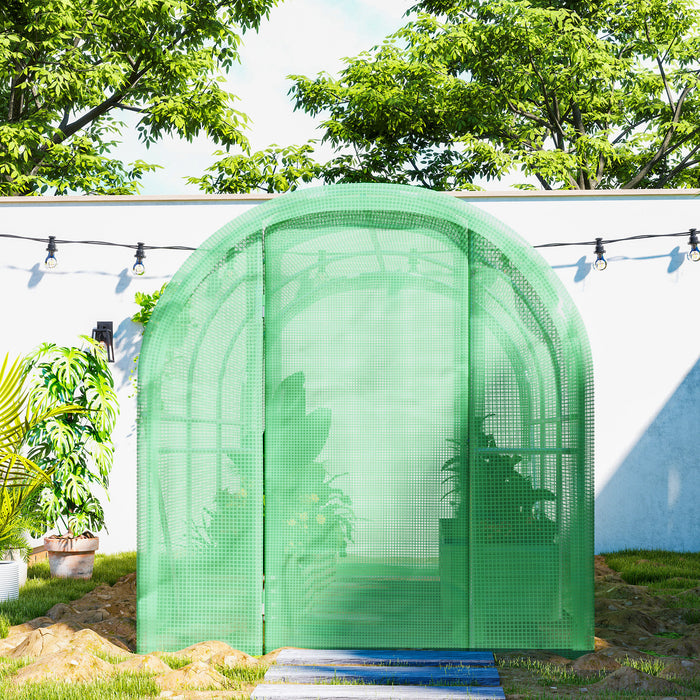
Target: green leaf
75,434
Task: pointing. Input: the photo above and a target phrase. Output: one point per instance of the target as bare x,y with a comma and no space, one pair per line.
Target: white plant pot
16,555
9,580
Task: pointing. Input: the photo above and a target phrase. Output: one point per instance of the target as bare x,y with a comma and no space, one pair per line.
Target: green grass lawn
123,687
662,571
41,592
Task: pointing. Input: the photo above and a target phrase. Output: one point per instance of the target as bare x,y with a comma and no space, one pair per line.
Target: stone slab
393,657
267,691
383,675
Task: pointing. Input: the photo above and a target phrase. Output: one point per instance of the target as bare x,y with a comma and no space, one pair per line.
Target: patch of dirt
632,626
72,641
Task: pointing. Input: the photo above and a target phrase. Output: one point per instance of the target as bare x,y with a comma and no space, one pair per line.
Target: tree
277,169
72,67
580,94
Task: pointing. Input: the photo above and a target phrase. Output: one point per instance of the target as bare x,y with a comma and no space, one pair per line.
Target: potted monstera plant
21,478
76,446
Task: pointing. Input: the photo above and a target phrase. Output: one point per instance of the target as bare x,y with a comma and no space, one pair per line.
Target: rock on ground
70,666
197,675
630,680
60,636
148,663
215,652
45,640
594,663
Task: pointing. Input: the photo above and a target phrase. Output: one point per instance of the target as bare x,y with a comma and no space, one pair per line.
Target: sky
301,37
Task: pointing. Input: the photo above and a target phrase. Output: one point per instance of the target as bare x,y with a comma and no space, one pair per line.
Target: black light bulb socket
51,247
693,241
138,267
50,260
599,250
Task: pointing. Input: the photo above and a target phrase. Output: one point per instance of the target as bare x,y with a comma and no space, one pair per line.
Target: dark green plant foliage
319,515
575,94
505,511
72,69
78,445
225,526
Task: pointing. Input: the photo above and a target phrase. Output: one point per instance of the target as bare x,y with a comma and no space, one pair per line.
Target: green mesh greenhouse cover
377,401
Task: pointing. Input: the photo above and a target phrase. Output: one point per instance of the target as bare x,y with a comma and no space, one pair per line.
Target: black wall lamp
104,335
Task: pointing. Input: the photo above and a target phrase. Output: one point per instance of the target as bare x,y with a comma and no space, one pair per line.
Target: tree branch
100,109
138,110
583,178
557,128
64,120
529,115
412,161
599,172
15,102
663,149
543,182
627,131
660,64
686,162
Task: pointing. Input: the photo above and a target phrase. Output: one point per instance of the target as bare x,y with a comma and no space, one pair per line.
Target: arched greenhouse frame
377,400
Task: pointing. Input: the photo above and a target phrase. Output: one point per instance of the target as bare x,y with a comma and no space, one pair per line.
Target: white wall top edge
261,197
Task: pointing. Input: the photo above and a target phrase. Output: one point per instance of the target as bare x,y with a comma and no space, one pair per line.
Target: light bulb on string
600,263
693,253
50,260
139,268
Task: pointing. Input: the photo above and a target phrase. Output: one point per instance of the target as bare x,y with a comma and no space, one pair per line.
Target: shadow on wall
127,345
583,265
652,499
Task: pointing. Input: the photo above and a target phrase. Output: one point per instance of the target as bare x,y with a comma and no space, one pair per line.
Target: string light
693,253
139,268
600,263
50,260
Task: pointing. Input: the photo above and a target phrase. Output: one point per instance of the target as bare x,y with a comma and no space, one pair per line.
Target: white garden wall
641,315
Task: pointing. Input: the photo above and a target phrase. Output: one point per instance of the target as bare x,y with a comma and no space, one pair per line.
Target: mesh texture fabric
379,398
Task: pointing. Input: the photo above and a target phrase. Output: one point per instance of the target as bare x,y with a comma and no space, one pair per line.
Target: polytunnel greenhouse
365,421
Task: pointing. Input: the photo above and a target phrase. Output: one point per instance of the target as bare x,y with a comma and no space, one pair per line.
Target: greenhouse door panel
365,373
